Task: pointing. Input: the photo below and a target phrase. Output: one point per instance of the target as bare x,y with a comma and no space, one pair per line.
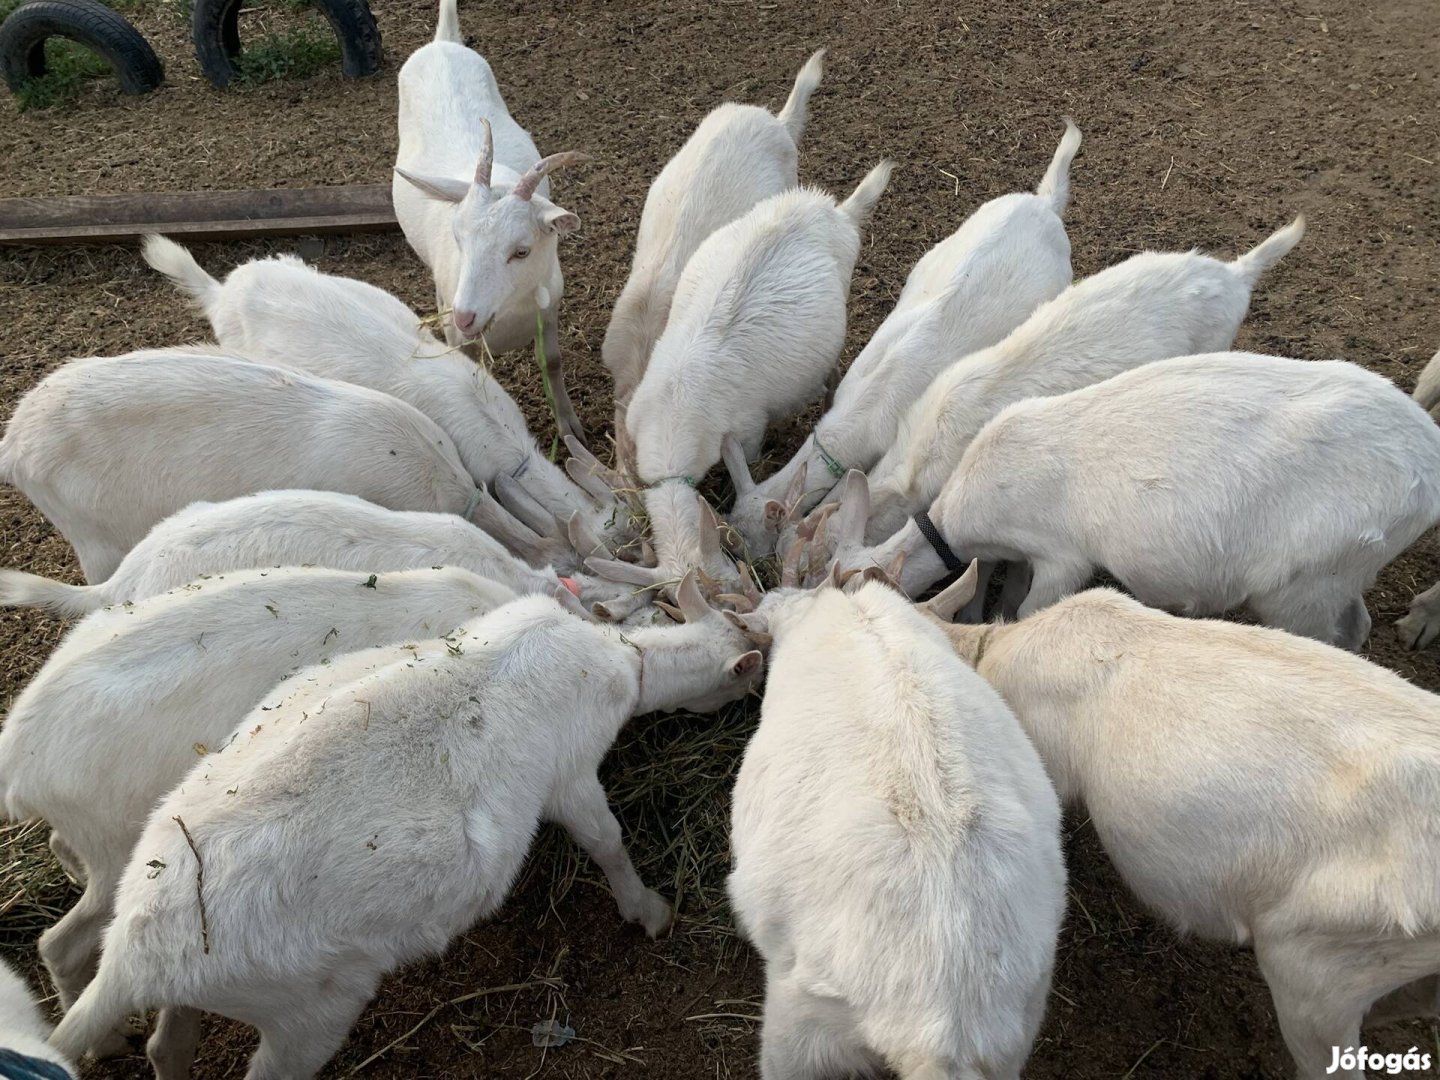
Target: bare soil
1205,125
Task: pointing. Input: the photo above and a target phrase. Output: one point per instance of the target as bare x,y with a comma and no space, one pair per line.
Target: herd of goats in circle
350,635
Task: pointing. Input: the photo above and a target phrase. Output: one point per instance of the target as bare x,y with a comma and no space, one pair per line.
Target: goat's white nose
464,321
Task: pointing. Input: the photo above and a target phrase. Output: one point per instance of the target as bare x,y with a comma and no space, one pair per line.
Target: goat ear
571,603
647,577
523,506
874,573
733,454
692,602
944,604
669,609
775,512
443,188
796,491
709,523
583,539
555,219
854,510
747,664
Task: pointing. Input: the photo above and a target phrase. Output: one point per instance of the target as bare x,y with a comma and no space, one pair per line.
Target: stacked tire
215,28
87,22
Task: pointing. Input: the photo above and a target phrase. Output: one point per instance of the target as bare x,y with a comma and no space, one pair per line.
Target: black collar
931,533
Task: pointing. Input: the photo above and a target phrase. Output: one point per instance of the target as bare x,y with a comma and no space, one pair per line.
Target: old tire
87,22
215,28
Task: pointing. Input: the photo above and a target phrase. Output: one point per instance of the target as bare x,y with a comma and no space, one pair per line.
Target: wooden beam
219,215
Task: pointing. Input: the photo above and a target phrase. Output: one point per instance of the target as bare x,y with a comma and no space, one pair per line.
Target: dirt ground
1206,124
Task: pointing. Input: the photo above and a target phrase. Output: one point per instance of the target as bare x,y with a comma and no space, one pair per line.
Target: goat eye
519,253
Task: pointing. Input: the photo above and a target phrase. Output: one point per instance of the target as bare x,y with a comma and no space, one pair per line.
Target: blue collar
17,1066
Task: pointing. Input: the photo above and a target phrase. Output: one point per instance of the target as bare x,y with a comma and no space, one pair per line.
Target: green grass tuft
289,54
67,66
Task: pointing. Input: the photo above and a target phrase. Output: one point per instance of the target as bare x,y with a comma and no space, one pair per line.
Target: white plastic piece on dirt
551,1033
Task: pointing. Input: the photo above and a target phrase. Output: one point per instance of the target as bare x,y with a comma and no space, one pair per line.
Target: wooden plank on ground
198,215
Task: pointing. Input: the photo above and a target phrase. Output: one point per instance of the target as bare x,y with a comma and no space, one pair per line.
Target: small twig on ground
199,885
1138,1061
473,995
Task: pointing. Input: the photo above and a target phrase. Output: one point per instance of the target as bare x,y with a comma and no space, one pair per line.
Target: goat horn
526,185
790,568
740,603
748,586
487,155
582,453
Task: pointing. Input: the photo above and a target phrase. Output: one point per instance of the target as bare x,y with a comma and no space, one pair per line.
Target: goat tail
797,105
102,1006
1055,184
448,28
176,263
1427,387
863,199
1269,251
19,589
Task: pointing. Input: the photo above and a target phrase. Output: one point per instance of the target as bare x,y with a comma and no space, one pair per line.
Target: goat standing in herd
334,595
472,196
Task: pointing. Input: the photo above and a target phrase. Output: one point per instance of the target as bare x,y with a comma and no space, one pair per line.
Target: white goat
1149,307
24,1053
280,311
738,156
1251,787
175,674
345,837
107,447
967,292
755,328
294,528
471,195
1421,624
896,850
1202,483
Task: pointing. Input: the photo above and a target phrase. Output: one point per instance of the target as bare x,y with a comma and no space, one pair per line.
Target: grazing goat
1149,307
280,311
969,291
175,674
294,528
738,156
896,850
1251,787
24,1053
1202,483
107,447
344,836
471,195
755,329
